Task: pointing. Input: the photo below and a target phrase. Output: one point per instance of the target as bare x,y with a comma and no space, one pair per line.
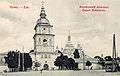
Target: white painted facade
44,41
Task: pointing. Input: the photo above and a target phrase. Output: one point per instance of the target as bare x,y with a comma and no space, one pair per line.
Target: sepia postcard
59,37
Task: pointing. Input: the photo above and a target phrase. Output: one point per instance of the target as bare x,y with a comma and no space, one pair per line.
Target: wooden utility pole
114,48
23,59
114,61
18,60
83,60
112,65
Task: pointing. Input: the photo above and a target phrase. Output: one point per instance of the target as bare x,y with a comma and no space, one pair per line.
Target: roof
45,53
43,20
44,34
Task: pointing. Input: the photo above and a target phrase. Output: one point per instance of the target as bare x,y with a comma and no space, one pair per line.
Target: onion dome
43,19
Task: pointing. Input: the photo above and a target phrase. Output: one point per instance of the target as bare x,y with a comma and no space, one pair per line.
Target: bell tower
43,37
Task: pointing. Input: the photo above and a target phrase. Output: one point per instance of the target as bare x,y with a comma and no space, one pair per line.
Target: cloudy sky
93,30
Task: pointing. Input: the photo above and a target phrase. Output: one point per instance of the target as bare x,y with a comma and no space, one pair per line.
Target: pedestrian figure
41,70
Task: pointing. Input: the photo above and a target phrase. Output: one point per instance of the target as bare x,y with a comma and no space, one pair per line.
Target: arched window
39,41
50,42
44,42
43,28
41,56
49,56
45,56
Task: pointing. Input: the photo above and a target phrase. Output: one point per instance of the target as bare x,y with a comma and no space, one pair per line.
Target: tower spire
69,37
42,14
42,19
42,3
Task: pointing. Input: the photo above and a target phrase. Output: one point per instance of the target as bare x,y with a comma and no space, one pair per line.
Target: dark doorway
46,67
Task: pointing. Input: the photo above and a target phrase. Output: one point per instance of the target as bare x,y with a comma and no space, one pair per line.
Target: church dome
43,21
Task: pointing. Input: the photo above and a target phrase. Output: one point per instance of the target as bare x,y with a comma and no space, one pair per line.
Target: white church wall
49,59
